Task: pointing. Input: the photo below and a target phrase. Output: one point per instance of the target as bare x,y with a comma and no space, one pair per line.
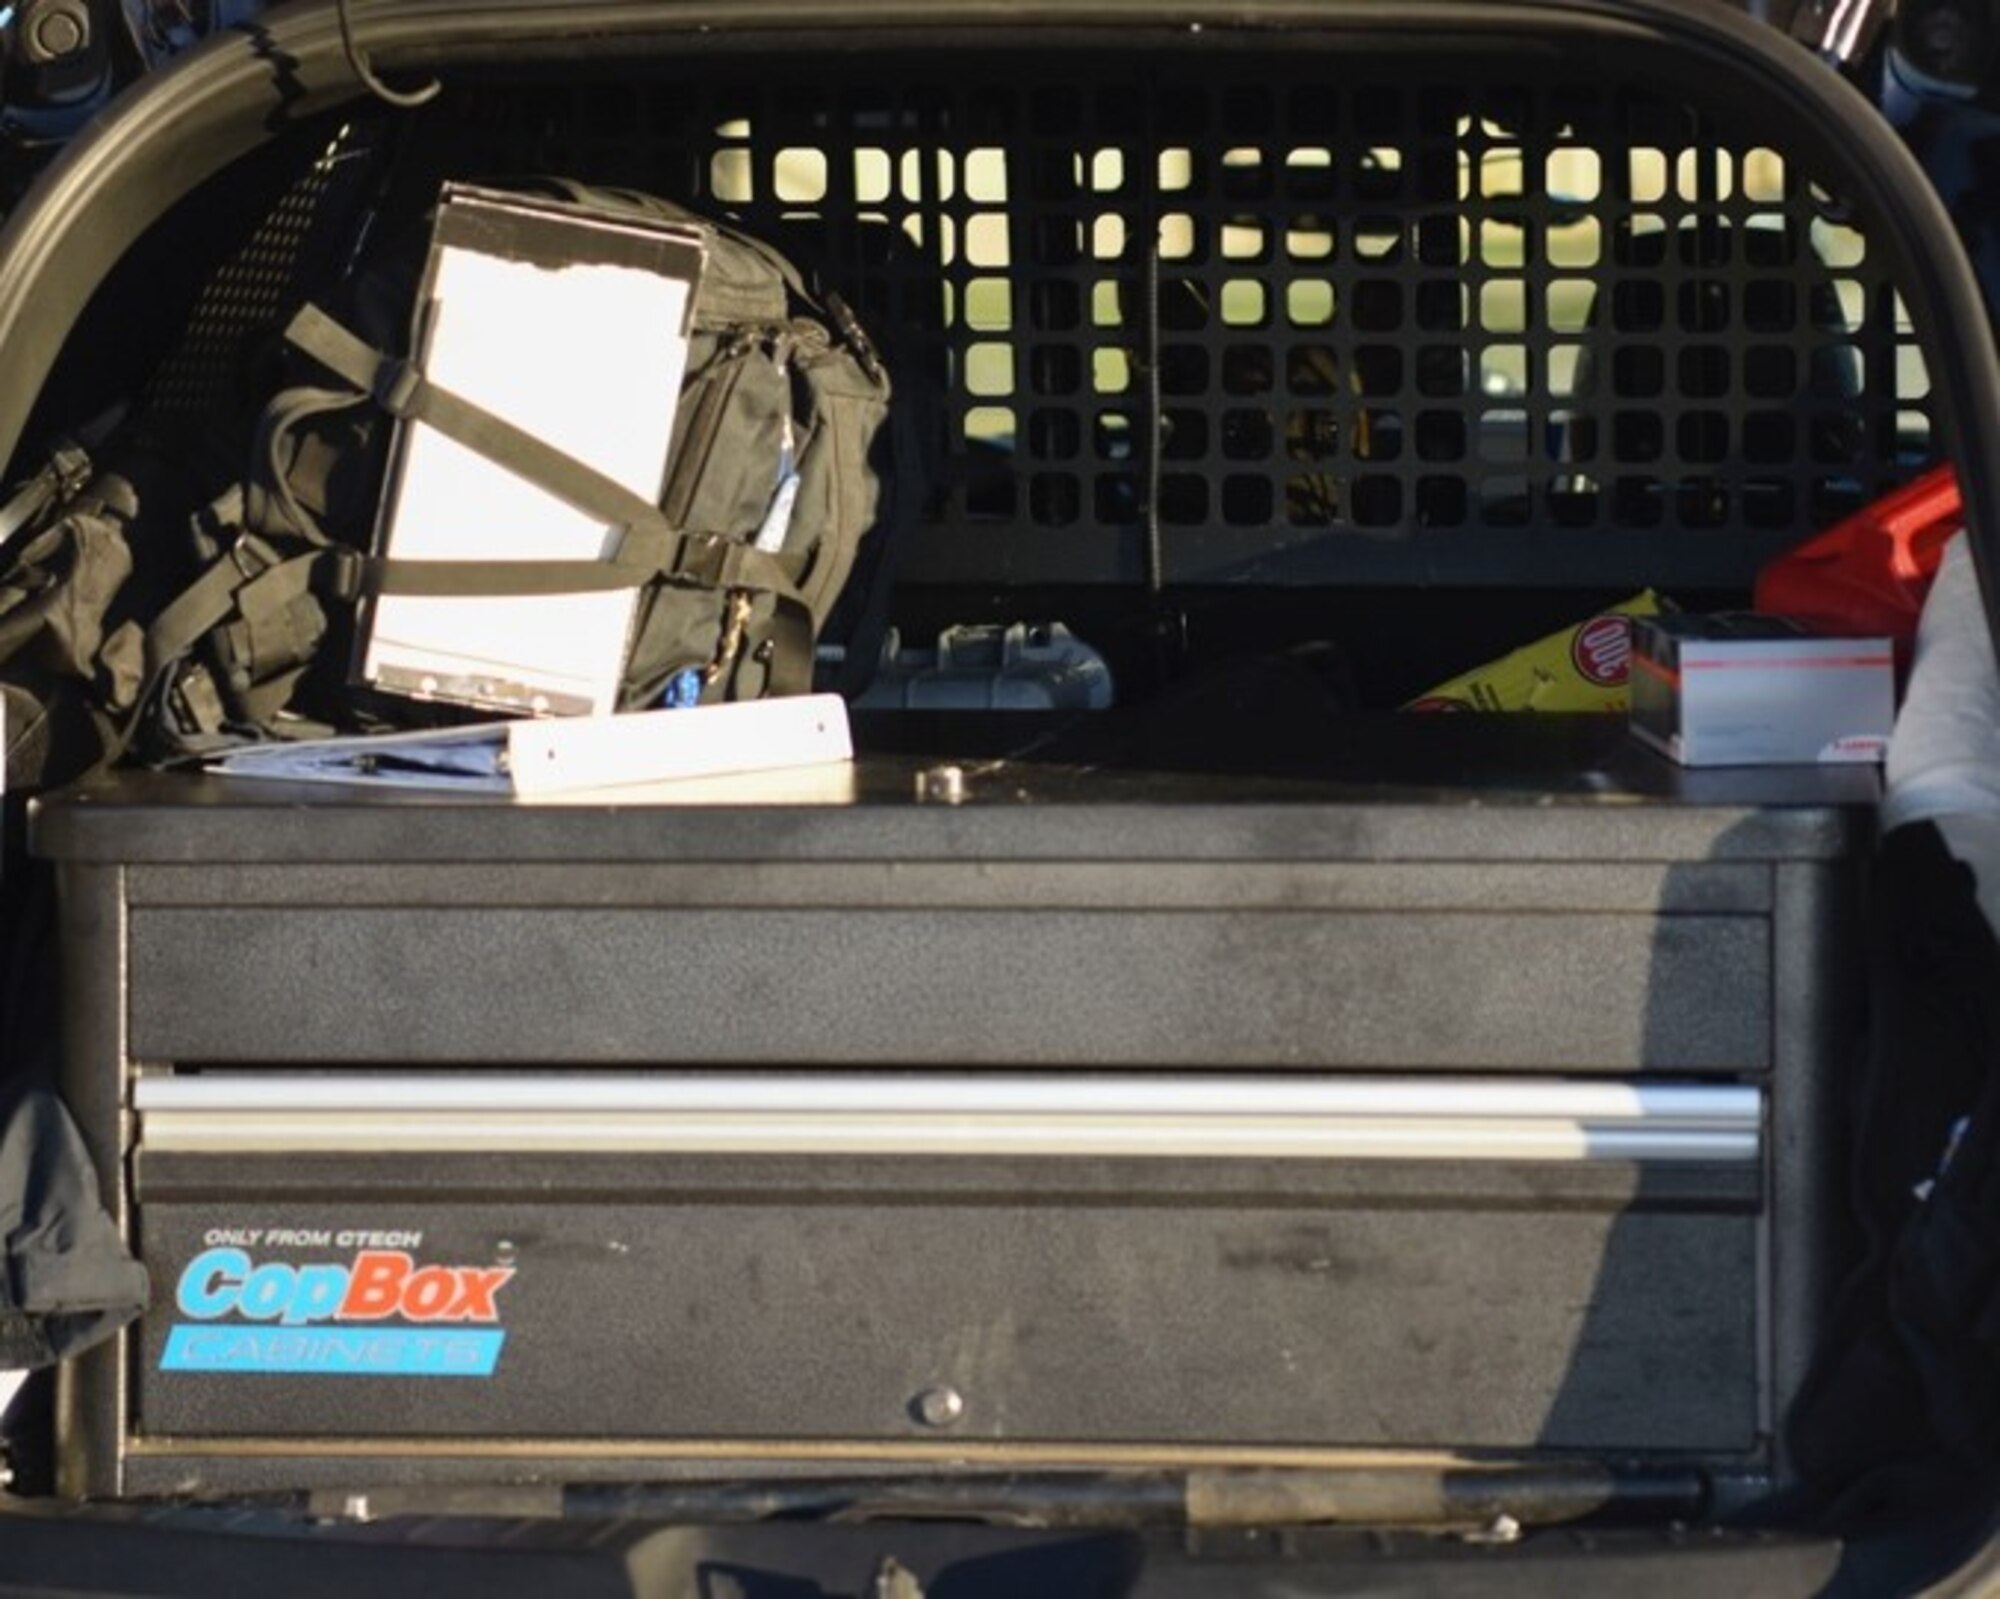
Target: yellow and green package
1580,668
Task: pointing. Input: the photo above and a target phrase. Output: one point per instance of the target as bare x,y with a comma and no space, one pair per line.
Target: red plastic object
1868,575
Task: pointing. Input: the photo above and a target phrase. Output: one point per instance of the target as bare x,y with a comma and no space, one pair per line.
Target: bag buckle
251,556
70,463
339,574
396,385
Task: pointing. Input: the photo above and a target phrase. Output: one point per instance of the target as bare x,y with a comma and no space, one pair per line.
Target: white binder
561,755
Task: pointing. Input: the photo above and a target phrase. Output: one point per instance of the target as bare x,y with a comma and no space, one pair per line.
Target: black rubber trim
241,88
199,1551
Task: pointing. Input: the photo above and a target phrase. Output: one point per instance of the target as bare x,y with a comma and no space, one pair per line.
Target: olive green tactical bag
785,486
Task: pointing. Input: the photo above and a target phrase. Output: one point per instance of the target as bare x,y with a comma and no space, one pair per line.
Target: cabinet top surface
1107,787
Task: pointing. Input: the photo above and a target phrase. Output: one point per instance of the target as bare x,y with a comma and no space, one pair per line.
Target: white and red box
1743,689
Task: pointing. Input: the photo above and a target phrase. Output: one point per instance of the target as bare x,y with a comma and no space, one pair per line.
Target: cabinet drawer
1362,1308
1195,988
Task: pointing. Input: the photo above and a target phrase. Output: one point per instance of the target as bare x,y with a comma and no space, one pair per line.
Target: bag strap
405,393
270,500
339,573
67,472
651,546
250,566
255,578
235,584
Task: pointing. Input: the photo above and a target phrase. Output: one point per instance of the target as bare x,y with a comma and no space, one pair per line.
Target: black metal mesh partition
1458,323
259,284
1376,321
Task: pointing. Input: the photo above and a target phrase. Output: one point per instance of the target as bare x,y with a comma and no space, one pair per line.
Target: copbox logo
380,1315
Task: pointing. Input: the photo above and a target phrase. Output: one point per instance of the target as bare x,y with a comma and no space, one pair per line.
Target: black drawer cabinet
1096,1120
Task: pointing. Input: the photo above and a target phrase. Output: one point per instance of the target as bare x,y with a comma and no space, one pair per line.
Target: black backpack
245,631
81,574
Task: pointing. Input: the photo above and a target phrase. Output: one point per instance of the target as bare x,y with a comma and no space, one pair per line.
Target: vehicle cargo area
1165,1048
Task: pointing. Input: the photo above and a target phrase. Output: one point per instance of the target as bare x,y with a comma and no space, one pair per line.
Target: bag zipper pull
851,335
777,523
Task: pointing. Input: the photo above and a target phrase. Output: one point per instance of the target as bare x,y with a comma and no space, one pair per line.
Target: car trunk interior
1293,373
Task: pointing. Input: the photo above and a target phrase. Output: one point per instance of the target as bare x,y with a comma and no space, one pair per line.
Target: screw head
938,1406
942,785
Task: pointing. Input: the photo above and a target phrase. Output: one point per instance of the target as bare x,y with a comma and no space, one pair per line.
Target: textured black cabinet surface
1612,922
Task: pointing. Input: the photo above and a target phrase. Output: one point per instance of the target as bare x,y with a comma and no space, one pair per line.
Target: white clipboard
572,325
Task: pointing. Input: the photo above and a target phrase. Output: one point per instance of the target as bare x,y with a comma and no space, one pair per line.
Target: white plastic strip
1198,1119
